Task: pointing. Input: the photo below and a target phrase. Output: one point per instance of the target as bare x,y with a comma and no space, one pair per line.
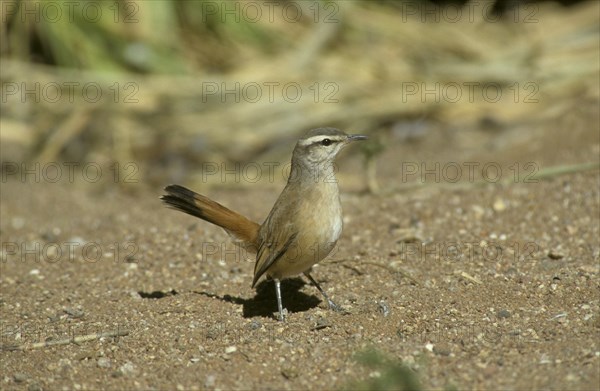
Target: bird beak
356,137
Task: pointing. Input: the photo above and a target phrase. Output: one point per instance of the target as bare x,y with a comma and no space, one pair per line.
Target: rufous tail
190,202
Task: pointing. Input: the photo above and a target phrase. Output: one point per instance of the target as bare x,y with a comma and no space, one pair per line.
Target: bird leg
332,305
279,304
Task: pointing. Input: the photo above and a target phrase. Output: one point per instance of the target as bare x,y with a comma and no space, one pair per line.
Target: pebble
504,314
104,362
499,205
230,349
384,308
289,373
34,387
254,325
127,368
321,324
479,211
20,377
135,295
74,313
210,381
84,355
77,241
441,350
554,254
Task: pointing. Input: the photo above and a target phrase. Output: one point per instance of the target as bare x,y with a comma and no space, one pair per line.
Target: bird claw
282,315
334,306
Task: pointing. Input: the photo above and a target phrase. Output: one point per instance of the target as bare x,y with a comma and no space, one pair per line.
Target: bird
304,224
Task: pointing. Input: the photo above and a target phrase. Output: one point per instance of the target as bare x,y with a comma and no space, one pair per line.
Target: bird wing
269,253
277,235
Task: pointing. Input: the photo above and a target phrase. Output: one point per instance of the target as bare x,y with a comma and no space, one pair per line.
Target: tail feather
236,225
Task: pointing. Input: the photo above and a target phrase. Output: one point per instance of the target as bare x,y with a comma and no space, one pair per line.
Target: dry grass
356,73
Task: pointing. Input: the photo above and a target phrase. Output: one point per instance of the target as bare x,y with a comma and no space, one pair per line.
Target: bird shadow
264,303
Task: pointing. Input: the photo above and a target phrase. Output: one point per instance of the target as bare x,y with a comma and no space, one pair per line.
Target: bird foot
282,315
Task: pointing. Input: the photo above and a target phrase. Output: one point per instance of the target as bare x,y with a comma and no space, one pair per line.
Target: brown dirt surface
472,285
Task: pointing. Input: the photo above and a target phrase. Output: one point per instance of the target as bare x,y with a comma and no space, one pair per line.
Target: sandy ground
487,286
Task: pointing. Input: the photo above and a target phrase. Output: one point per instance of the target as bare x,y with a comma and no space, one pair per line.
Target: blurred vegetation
163,70
387,374
142,36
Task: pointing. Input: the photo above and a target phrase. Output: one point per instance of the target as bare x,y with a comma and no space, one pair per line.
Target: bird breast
325,221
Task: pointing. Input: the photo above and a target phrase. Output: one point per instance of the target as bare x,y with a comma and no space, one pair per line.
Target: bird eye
326,142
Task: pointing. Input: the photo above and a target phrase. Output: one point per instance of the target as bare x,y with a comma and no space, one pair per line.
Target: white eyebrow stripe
319,138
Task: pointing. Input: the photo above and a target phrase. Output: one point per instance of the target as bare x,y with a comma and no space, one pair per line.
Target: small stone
511,271
499,205
104,362
408,235
479,211
34,387
20,377
127,368
73,312
77,241
289,373
84,355
254,325
230,349
321,324
135,295
554,254
52,235
210,381
504,314
441,350
384,308
51,253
